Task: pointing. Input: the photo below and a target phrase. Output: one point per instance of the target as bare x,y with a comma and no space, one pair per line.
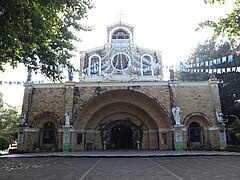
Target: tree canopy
229,86
39,33
9,120
228,26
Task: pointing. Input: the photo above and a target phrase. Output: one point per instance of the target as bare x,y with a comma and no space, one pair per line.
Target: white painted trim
214,128
49,85
90,62
122,84
151,63
31,130
65,130
163,129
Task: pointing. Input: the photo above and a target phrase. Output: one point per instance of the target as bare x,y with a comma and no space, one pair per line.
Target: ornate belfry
120,56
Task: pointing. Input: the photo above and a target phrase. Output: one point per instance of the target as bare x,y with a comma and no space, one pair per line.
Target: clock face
120,61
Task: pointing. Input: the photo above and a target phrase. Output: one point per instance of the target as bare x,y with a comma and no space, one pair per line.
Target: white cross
120,15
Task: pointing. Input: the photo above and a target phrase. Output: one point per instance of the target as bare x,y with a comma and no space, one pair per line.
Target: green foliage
213,48
229,92
234,131
213,1
38,33
228,26
210,49
230,86
9,119
4,143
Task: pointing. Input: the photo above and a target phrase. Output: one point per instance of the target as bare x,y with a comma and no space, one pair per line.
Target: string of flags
223,64
20,83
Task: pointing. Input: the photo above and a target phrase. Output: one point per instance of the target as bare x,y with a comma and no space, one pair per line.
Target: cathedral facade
121,102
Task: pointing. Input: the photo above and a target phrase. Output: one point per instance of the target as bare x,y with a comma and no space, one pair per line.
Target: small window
164,137
79,138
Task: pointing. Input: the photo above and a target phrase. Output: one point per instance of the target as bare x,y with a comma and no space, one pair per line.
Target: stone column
178,138
20,140
66,138
222,138
69,99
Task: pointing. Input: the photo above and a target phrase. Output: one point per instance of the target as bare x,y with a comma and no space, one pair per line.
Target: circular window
120,61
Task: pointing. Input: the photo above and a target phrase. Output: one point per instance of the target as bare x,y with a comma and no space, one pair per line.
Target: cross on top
120,16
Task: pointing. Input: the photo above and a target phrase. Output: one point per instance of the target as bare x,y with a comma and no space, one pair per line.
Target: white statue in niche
67,119
23,119
176,114
219,116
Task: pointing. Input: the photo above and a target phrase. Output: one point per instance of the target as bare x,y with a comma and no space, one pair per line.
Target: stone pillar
66,138
178,138
69,99
222,138
20,140
174,93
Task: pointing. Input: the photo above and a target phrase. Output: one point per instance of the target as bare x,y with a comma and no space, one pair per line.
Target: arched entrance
48,136
195,136
128,110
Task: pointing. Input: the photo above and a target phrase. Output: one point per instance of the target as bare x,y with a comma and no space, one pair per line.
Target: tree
9,120
234,131
230,92
210,49
228,26
39,33
229,86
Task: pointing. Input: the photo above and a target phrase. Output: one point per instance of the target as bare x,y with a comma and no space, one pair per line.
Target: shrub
4,144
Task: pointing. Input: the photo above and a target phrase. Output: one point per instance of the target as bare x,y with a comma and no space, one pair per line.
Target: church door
121,137
195,136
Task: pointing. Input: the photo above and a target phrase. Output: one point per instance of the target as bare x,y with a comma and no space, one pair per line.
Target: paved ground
169,167
106,165
124,153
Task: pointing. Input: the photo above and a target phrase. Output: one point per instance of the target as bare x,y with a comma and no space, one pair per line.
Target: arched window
146,64
49,133
120,34
94,65
194,132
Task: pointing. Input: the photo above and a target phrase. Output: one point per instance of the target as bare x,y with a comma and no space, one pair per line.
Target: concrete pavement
118,168
124,153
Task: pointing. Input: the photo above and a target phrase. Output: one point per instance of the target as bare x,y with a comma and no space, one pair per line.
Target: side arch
200,116
41,119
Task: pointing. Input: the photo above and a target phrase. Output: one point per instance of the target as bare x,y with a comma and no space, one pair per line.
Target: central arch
127,116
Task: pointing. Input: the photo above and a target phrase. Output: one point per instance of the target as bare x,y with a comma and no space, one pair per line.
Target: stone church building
121,102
